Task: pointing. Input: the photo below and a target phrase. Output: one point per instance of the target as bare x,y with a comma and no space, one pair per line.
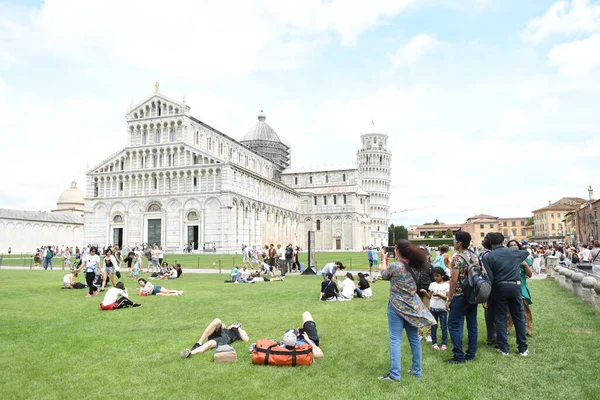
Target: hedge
433,242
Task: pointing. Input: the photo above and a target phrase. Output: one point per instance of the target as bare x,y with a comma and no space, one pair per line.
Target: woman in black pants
91,266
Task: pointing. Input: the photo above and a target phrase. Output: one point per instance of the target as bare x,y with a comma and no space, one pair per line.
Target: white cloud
565,18
412,52
581,56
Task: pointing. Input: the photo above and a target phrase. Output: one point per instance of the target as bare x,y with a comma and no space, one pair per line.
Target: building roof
511,218
71,196
40,216
483,216
564,204
261,131
444,227
319,168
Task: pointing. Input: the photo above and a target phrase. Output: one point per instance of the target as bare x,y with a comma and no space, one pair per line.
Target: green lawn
56,344
352,260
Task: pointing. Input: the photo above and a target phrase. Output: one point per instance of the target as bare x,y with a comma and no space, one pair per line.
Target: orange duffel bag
269,352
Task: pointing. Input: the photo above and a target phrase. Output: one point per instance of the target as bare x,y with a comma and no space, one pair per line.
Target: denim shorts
156,289
109,270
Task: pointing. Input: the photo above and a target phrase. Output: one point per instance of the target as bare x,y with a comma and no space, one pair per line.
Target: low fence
582,283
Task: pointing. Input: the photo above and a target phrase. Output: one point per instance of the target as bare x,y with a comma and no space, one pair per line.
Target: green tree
436,222
449,234
438,235
427,236
401,232
395,233
530,221
391,233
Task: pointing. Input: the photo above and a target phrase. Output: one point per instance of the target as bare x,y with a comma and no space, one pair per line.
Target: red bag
109,307
269,352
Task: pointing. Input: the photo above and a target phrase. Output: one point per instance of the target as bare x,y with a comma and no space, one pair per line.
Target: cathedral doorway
338,243
192,236
154,226
118,237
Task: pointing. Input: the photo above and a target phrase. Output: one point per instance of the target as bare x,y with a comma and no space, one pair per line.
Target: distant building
24,231
479,225
548,220
583,221
429,231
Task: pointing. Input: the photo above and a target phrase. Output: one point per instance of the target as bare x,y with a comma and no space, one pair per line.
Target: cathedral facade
180,181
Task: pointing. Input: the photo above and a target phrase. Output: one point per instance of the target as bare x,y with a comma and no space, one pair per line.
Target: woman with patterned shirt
405,308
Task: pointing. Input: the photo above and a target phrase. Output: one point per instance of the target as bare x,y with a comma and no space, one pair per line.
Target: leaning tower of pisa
374,162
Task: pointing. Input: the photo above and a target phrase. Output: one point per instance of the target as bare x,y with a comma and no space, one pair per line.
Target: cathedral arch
154,206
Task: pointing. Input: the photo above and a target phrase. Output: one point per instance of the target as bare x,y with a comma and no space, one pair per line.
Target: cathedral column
202,229
125,228
182,231
104,187
354,244
164,177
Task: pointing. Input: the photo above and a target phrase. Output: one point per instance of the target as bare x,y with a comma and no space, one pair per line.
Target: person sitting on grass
347,287
172,274
116,298
235,275
179,270
68,280
216,334
148,288
329,289
364,288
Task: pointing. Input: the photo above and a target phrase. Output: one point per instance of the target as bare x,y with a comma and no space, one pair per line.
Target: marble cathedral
180,181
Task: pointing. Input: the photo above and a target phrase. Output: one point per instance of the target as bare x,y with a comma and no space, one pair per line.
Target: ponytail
417,257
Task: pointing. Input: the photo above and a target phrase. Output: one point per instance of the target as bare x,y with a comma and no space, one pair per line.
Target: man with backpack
459,308
503,267
48,258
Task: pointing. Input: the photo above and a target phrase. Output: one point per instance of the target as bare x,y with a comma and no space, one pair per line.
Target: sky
491,106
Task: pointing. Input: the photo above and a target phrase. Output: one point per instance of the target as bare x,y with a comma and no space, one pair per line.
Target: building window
192,216
296,180
195,181
344,177
157,139
154,207
505,232
315,200
334,200
121,186
117,219
155,183
197,138
514,223
491,226
361,200
318,224
324,200
523,232
172,135
514,232
504,224
551,215
480,226
344,199
558,215
145,137
326,178
553,227
481,234
310,179
522,223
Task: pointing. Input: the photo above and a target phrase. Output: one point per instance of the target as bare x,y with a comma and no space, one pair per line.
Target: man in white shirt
116,298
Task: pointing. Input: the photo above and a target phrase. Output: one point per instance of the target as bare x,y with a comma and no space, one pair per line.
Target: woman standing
110,263
296,259
154,257
90,266
405,308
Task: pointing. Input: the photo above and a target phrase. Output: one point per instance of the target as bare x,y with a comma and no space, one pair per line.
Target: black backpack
476,285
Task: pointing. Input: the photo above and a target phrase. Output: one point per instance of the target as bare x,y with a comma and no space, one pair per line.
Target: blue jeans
509,295
440,316
358,292
460,309
396,323
235,277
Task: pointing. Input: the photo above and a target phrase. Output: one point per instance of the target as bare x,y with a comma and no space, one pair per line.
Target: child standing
137,266
438,294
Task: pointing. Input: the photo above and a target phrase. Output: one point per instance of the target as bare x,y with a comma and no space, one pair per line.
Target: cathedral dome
71,200
261,131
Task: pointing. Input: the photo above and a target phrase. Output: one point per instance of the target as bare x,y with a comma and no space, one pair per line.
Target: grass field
352,260
55,344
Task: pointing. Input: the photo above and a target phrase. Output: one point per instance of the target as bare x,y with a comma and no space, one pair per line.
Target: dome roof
261,131
70,197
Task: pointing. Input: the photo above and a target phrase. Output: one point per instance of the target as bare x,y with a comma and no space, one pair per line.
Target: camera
390,251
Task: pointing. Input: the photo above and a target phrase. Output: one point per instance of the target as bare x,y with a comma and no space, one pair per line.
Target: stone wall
581,283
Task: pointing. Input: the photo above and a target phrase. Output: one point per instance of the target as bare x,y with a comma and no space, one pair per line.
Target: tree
395,233
449,234
391,235
427,236
437,234
436,222
530,221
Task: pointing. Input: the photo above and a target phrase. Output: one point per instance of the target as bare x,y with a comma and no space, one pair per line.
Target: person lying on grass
306,335
216,334
116,298
148,288
68,280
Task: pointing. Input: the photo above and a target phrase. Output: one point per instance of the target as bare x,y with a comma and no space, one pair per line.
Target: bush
433,242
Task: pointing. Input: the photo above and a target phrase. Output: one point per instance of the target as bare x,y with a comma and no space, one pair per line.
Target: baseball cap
289,338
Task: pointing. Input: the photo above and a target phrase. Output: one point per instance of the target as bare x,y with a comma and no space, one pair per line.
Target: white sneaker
181,292
525,353
420,337
428,339
501,352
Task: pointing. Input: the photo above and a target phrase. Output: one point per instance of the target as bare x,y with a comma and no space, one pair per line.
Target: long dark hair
417,257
